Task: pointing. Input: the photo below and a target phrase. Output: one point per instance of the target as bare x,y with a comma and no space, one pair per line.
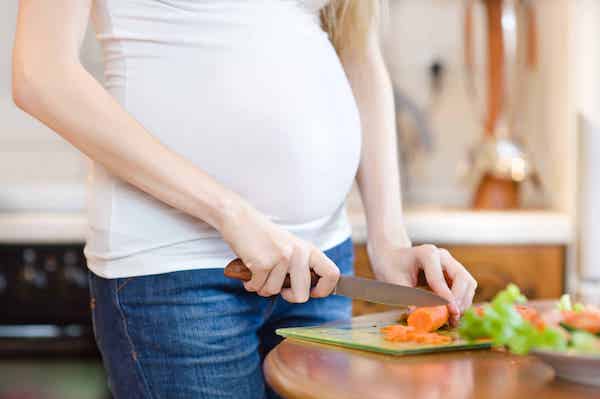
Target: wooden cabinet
537,269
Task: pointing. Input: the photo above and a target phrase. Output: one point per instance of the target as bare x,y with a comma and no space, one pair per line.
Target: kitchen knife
357,288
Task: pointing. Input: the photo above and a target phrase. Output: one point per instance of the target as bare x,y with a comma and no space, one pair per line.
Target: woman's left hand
399,264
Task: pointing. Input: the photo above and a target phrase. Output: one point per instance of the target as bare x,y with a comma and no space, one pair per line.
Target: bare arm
50,84
378,174
378,179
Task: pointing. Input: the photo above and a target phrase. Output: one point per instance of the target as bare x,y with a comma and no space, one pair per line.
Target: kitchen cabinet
538,270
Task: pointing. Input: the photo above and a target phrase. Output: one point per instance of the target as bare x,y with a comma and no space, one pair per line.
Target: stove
44,297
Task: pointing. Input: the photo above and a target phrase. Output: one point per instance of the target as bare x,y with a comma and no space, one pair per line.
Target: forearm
66,98
378,174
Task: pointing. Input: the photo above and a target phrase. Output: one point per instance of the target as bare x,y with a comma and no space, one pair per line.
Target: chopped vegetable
586,320
531,315
585,342
564,304
428,319
504,324
398,332
402,333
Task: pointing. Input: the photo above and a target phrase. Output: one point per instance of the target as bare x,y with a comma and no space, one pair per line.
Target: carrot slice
428,319
530,314
526,312
585,320
401,333
398,333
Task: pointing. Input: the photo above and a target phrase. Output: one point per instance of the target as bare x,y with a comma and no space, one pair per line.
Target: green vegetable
584,341
503,324
564,304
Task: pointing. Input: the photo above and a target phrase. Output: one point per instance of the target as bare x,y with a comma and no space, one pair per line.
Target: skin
50,84
391,253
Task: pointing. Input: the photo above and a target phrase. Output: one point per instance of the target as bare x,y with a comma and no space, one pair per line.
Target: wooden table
304,370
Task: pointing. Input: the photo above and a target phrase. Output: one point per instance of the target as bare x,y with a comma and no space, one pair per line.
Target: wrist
391,237
228,211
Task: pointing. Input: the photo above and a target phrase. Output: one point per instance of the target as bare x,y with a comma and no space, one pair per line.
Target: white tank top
253,93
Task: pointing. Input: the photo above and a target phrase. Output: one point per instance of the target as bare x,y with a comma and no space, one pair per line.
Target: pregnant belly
277,123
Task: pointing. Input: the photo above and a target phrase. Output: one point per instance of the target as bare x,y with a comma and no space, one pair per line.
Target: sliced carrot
584,320
398,332
428,319
401,333
438,339
530,314
526,312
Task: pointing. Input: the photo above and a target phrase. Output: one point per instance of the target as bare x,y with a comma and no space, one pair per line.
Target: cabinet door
537,270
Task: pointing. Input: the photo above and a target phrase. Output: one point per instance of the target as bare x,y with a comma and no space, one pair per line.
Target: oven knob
33,276
50,263
70,258
75,276
29,256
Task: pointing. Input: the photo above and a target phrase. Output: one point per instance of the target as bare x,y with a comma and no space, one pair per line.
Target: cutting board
366,335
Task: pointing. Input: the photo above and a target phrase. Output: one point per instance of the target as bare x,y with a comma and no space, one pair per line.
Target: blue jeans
197,334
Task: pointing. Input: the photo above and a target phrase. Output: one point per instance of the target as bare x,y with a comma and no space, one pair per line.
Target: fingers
261,270
268,281
471,294
460,290
299,277
463,284
328,272
407,278
429,257
259,276
274,281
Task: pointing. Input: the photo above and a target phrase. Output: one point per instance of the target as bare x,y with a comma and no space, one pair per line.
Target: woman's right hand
271,253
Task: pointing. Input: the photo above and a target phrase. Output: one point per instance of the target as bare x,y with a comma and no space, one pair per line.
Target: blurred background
498,109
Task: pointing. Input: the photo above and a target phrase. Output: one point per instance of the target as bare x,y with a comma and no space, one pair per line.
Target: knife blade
386,293
357,288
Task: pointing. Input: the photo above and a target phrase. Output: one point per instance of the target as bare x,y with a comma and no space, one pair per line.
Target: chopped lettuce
500,322
583,341
565,304
503,324
578,307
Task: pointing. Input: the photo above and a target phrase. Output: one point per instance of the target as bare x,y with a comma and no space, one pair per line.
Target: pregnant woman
224,129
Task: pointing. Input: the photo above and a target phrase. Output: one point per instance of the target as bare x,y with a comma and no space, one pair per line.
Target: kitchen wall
421,32
418,33
36,165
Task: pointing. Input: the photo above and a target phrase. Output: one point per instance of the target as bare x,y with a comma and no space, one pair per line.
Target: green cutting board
367,336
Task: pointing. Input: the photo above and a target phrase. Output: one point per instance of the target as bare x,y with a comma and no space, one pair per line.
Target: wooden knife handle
236,269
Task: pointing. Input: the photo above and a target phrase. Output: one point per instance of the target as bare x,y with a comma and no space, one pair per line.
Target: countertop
448,226
424,225
305,370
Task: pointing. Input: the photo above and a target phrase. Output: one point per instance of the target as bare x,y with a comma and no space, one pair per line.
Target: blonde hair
348,22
